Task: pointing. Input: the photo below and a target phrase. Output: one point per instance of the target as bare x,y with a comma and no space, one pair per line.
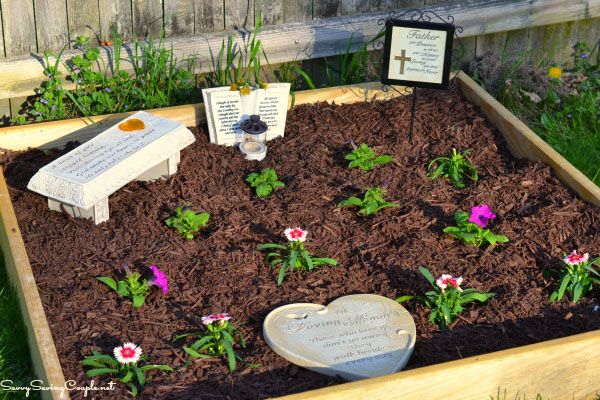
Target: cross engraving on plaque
402,58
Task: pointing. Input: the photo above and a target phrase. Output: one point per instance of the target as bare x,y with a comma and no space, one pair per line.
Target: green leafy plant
264,182
218,340
472,228
577,277
135,287
454,168
187,222
365,158
447,298
372,202
293,256
124,365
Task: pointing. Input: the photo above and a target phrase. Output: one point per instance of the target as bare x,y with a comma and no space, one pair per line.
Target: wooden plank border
19,76
44,358
527,370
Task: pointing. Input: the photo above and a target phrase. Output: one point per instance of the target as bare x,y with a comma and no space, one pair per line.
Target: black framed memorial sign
417,53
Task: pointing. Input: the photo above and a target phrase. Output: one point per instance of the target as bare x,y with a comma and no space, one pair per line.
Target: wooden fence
547,28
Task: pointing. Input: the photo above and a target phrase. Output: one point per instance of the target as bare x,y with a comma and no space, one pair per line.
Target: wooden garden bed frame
566,368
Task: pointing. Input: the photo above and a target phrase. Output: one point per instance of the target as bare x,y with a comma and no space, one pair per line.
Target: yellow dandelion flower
233,87
264,85
245,90
555,72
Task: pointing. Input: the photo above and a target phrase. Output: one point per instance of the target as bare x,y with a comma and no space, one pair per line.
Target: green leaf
267,246
138,301
308,260
350,201
100,371
197,345
139,374
110,282
282,272
383,159
133,388
230,355
402,299
577,291
324,260
194,354
127,377
293,257
481,297
264,190
563,286
159,367
425,272
93,363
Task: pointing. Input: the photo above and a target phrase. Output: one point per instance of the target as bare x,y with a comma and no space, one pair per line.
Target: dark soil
221,271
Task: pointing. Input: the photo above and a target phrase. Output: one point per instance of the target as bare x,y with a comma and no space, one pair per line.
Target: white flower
576,259
295,234
129,353
214,318
447,279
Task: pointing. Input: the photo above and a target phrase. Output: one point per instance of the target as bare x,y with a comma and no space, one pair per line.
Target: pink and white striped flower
215,318
576,259
295,234
448,280
128,353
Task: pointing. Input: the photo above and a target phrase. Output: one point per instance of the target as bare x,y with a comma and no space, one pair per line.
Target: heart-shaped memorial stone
357,336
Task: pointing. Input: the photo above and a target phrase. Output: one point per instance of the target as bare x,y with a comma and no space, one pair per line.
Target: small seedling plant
123,365
365,158
187,222
472,228
218,340
577,277
293,256
264,182
447,298
455,168
135,287
372,202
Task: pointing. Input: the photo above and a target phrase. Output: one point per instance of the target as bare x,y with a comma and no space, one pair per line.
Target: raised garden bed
223,271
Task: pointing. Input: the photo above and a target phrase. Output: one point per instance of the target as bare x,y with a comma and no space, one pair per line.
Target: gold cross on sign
402,59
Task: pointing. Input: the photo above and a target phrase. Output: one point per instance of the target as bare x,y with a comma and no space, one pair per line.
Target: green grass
15,364
565,112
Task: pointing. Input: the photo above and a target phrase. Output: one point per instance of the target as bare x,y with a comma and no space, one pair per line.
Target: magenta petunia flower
576,259
481,214
160,279
215,317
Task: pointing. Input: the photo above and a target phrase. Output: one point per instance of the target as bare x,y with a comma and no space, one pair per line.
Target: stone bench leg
165,169
98,212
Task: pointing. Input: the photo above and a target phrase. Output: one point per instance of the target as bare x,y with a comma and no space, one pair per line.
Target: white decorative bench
80,181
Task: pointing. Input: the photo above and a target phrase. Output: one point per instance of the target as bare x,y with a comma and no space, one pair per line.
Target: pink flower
576,259
295,234
480,215
160,279
215,317
129,353
447,279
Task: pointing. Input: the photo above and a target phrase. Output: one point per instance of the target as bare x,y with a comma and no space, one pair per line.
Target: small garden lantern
254,138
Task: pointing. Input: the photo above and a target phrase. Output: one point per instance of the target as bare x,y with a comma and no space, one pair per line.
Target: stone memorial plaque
80,181
226,109
357,336
417,53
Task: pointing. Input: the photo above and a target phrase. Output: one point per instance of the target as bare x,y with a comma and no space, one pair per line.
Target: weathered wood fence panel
491,26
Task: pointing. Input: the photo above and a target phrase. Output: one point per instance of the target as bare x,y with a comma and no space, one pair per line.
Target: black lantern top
254,125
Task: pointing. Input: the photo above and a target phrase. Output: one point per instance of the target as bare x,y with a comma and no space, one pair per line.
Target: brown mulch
221,271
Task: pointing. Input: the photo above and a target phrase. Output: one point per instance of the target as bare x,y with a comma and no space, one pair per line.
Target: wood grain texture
51,24
381,5
58,133
353,7
179,17
115,14
327,8
239,14
44,358
565,369
209,16
283,11
84,19
147,18
314,39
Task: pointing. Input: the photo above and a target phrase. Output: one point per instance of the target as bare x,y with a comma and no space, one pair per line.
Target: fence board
51,24
115,14
314,39
353,7
147,18
380,5
84,19
179,17
327,8
283,11
209,16
239,14
19,37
